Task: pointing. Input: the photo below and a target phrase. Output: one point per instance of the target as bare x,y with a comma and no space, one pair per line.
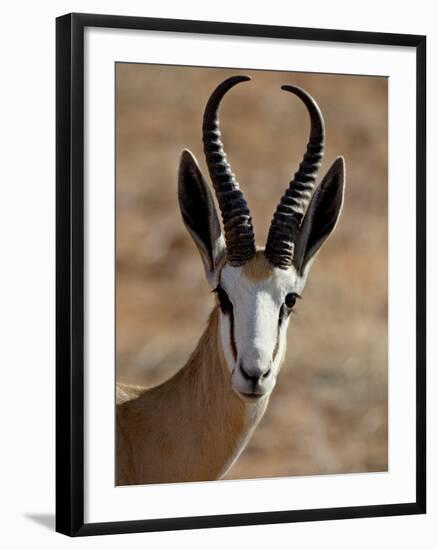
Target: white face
253,322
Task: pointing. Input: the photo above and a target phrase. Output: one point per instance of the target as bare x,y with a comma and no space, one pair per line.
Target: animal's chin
251,397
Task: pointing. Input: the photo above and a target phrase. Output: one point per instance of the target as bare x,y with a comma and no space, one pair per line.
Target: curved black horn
292,206
239,236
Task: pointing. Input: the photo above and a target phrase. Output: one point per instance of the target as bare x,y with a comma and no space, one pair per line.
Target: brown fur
258,268
190,428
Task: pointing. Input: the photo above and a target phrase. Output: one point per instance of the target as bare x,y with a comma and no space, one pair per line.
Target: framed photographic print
240,274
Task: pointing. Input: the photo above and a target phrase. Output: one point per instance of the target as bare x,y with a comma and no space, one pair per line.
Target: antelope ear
321,217
200,215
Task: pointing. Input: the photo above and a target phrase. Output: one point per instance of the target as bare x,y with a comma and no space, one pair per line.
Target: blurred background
328,412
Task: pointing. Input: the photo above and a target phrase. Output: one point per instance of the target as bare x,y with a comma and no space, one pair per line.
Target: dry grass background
328,413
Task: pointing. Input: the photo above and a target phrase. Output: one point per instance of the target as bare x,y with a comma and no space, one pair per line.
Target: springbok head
257,289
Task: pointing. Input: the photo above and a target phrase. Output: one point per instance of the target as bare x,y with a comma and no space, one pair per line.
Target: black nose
253,376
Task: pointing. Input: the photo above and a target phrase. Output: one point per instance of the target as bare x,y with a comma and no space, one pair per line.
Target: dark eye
290,300
225,303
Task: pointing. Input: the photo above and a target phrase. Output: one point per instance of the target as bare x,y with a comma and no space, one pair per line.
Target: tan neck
190,428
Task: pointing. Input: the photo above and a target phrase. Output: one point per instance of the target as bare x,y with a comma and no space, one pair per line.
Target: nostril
247,376
266,374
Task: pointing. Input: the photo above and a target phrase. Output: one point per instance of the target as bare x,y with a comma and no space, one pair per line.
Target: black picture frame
70,273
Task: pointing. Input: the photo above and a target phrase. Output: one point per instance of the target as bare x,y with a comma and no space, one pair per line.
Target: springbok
194,426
